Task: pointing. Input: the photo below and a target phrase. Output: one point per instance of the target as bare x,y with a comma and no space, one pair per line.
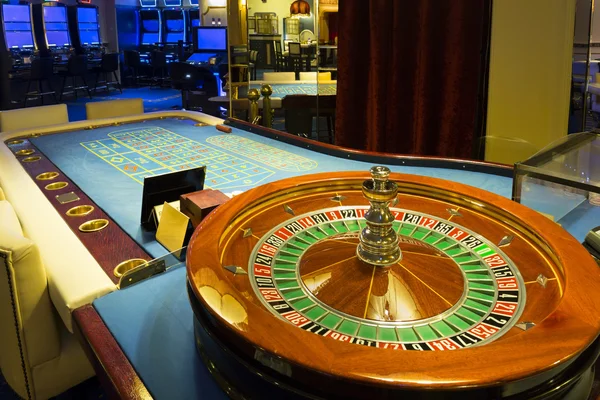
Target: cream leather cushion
2,197
279,76
312,76
33,117
39,358
114,108
28,331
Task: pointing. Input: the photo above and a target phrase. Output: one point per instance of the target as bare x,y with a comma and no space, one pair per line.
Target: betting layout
280,90
231,161
491,302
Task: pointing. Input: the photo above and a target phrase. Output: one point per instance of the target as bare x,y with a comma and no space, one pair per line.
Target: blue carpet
87,390
6,393
155,99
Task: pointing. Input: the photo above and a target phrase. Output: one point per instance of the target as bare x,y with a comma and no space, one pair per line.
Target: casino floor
299,199
269,295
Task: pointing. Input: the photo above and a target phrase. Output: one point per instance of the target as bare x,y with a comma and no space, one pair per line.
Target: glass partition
585,88
282,67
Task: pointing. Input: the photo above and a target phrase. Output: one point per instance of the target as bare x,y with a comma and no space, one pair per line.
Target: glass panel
583,100
327,28
562,181
136,270
236,76
282,63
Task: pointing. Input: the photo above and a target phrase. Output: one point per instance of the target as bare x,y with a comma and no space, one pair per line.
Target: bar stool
158,61
133,63
42,70
108,64
184,77
76,67
197,85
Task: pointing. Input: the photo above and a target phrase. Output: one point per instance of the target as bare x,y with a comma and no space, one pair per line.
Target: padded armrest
114,108
74,276
23,118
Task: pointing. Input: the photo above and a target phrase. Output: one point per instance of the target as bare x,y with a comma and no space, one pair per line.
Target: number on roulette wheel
355,285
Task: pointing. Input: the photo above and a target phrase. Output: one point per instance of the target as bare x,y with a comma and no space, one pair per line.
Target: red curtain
409,75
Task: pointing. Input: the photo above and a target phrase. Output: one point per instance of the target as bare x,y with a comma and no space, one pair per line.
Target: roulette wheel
358,285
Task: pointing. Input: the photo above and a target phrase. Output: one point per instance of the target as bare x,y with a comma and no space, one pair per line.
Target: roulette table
281,291
313,88
185,333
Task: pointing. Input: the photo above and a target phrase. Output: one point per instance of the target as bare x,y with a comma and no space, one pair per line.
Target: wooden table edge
116,374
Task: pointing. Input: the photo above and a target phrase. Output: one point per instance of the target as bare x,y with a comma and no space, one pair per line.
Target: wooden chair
280,61
326,105
253,56
295,59
299,110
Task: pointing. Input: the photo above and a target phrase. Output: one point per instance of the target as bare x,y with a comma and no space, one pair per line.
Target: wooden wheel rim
569,329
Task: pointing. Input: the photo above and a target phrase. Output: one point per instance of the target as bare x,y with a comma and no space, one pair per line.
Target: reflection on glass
584,70
283,51
238,73
327,31
562,181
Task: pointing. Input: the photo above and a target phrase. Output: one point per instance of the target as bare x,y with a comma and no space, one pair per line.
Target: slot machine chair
76,68
197,85
158,62
133,63
42,70
109,64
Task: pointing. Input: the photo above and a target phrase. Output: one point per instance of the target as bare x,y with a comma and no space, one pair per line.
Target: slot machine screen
87,20
17,25
89,37
174,37
55,14
211,39
175,25
55,22
58,38
150,38
150,25
87,15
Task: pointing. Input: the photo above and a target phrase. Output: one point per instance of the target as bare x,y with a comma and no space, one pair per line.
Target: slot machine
151,32
175,28
18,33
56,30
88,30
194,19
